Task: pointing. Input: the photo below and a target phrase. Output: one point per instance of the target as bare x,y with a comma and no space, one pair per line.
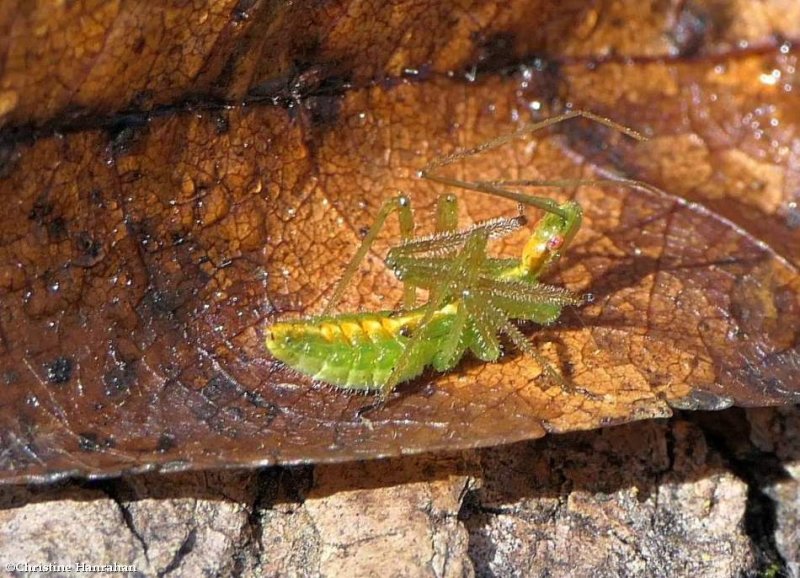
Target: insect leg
451,241
525,346
402,205
446,221
467,260
452,350
420,261
487,321
447,213
454,345
529,301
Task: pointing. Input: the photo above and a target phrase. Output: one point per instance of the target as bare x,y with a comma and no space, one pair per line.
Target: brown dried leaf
143,253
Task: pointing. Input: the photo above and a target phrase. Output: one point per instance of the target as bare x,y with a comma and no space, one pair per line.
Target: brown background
164,172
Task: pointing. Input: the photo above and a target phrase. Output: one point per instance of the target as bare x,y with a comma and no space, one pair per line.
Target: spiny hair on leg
526,293
448,241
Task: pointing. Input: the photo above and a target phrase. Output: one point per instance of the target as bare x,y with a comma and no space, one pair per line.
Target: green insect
473,297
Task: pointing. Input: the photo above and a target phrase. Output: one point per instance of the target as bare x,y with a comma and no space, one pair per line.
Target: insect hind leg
402,205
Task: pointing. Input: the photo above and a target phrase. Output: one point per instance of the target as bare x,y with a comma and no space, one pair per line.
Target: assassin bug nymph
473,298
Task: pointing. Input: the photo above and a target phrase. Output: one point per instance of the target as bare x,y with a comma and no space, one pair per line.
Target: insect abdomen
356,351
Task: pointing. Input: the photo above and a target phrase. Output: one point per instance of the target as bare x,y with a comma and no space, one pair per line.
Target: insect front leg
446,221
525,346
457,276
402,205
446,213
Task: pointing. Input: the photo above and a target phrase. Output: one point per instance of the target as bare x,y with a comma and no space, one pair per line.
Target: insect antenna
548,205
531,128
497,188
562,183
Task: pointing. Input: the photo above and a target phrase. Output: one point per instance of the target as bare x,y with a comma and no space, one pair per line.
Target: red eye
554,243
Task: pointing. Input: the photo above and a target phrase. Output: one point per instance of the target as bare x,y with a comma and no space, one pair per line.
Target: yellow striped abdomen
357,351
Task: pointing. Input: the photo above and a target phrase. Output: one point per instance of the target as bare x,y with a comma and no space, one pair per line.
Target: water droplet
771,78
527,73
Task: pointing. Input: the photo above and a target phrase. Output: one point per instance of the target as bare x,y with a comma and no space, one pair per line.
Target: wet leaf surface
175,180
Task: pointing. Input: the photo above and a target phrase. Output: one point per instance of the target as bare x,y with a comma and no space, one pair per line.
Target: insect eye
405,332
555,242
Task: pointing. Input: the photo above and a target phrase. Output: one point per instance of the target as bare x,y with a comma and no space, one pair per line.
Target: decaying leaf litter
133,328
